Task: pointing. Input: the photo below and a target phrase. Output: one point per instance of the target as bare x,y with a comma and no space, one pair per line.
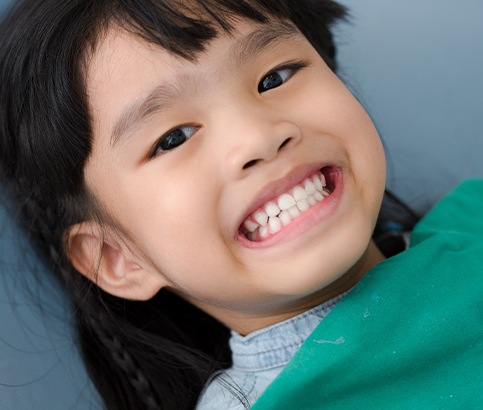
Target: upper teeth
280,212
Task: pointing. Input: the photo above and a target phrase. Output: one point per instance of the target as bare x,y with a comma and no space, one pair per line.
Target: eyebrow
158,100
162,96
256,42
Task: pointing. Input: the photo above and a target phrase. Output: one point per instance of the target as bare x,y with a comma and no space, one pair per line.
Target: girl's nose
257,141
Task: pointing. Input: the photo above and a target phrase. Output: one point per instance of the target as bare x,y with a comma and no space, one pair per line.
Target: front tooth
275,224
294,211
303,205
317,182
271,209
311,199
309,187
264,232
299,193
286,202
251,226
285,217
261,217
318,196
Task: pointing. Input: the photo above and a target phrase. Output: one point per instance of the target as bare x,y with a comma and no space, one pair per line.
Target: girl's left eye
278,76
174,138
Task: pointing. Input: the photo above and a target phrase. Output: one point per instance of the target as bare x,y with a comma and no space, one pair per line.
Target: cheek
175,222
351,124
345,122
325,106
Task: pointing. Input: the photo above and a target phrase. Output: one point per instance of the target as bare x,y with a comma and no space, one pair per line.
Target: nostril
250,164
253,162
283,144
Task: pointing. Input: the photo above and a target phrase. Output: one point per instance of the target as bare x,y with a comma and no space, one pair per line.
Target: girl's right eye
173,139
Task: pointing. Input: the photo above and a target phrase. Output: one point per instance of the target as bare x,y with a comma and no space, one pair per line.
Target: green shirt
410,334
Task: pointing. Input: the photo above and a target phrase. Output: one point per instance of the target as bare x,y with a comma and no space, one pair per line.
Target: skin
179,211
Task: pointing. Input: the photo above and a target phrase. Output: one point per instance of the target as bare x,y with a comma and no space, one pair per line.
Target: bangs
184,27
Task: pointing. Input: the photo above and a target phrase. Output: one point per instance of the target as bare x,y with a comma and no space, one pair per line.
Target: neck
245,324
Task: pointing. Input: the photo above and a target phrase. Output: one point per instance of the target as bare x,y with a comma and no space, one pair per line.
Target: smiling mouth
280,212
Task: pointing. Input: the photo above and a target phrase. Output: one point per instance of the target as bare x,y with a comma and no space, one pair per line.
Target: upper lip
274,189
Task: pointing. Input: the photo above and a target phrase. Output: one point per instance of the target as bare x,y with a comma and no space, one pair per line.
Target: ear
100,255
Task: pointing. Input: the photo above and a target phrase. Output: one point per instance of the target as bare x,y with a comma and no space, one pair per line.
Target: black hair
154,354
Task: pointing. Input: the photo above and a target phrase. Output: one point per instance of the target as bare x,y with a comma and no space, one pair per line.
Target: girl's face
193,159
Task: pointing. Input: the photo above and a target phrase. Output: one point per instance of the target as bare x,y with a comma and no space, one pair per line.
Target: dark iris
173,140
270,81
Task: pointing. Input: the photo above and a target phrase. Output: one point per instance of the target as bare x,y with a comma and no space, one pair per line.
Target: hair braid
108,342
125,361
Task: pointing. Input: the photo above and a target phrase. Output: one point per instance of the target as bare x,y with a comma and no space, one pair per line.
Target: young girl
201,163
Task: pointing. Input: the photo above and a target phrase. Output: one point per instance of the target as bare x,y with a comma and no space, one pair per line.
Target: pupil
173,139
271,81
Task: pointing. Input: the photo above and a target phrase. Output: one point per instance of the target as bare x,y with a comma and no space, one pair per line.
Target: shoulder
223,392
459,213
235,389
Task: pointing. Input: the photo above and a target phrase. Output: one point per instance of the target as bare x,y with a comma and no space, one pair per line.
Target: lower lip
316,215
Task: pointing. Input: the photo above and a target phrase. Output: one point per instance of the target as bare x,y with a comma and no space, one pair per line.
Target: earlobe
102,257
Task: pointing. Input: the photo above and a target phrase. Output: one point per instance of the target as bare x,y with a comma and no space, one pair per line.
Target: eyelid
295,65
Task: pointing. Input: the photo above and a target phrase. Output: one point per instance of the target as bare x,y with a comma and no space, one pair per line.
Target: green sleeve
410,334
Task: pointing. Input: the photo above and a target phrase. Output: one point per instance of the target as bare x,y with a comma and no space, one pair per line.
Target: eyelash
292,67
268,80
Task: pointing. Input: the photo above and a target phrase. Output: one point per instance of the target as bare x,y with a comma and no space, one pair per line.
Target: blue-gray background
415,65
